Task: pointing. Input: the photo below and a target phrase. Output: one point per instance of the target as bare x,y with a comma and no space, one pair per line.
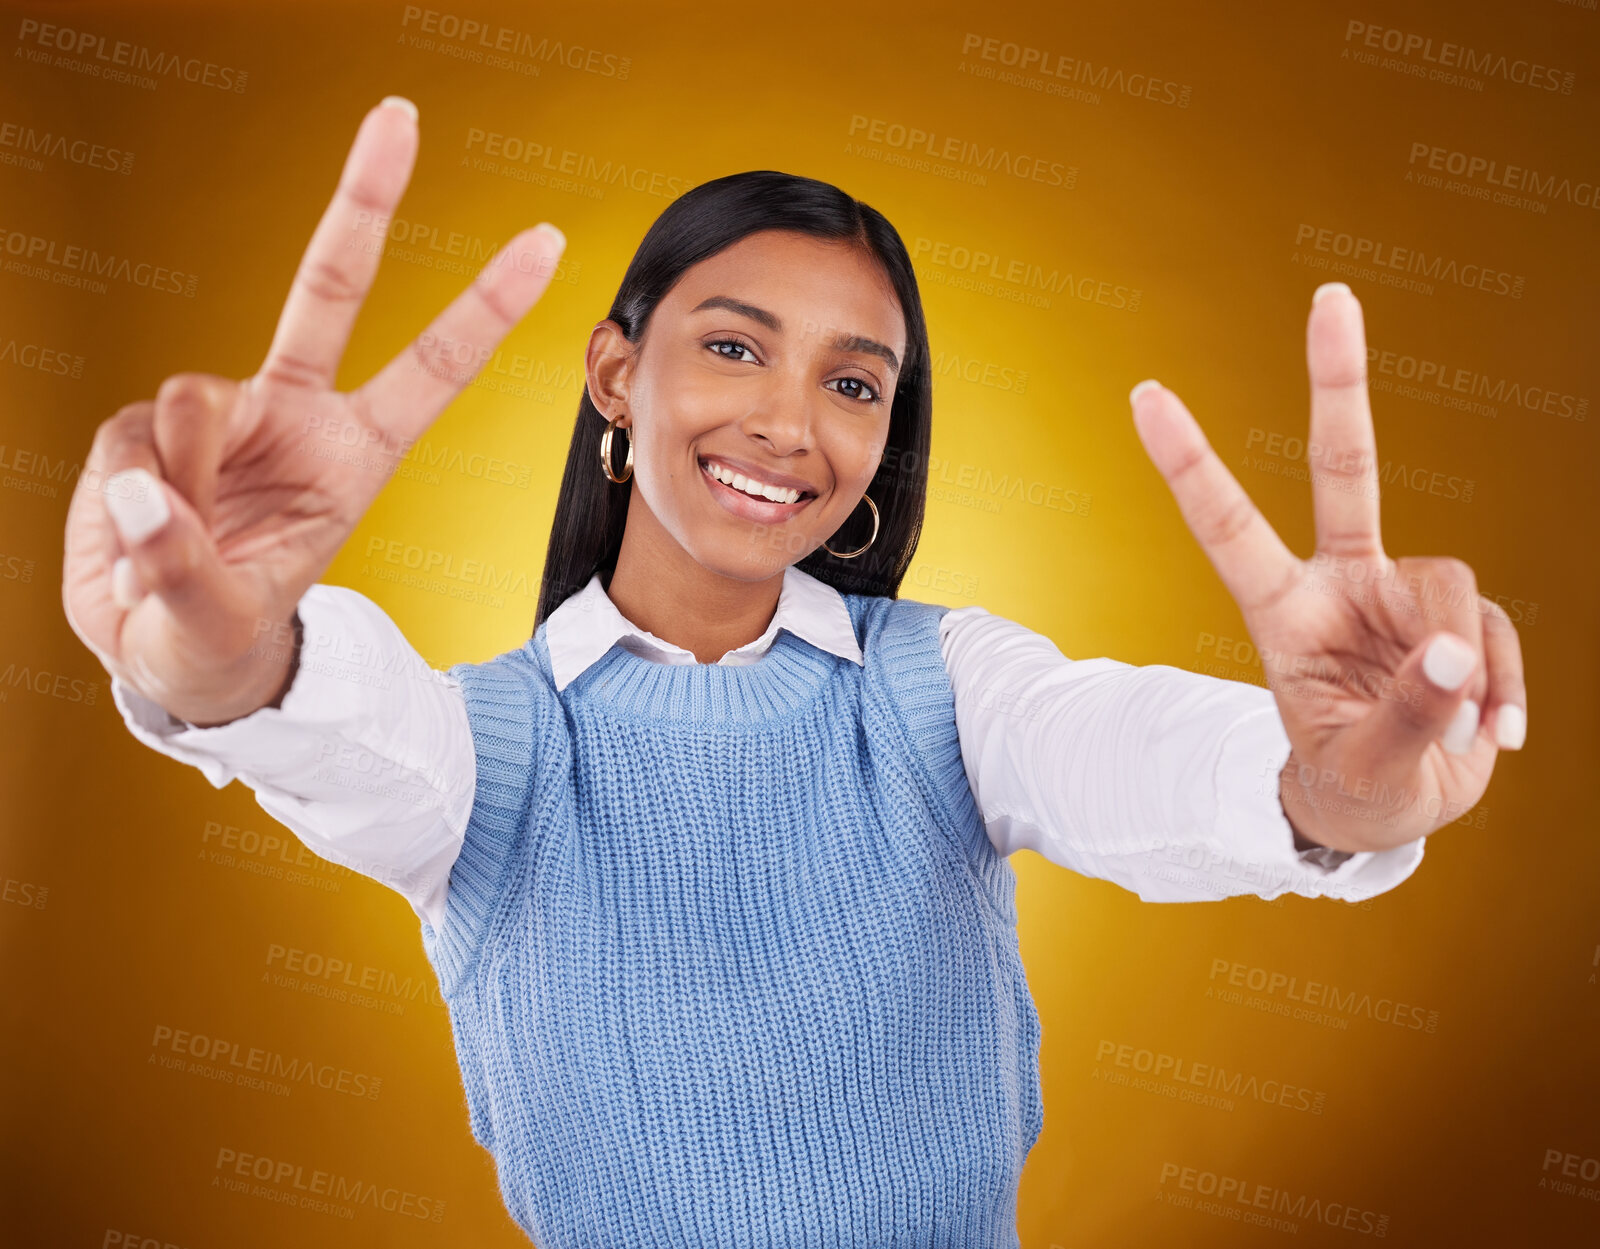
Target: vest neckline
780,685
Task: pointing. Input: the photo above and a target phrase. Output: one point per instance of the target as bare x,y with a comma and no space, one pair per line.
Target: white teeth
760,490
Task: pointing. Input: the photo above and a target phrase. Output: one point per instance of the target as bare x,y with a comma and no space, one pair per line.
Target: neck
660,587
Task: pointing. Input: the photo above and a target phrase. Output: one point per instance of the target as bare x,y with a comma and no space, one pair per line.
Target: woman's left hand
1380,667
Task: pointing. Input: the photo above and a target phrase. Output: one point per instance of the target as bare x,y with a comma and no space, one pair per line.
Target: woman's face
775,359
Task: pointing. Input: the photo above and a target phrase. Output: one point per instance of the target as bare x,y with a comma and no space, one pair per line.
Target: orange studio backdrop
198,1013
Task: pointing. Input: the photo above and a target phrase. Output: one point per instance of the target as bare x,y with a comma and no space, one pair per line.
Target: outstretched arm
1158,779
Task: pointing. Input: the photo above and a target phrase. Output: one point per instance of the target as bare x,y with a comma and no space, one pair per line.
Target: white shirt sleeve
1158,779
369,760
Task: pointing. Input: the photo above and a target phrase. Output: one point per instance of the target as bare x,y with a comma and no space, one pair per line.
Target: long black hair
591,510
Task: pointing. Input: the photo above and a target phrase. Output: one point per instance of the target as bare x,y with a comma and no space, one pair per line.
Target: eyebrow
844,342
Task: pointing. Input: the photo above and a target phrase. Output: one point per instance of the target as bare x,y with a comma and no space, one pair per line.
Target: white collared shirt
1161,780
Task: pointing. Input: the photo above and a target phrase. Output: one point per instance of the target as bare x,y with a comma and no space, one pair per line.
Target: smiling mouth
756,491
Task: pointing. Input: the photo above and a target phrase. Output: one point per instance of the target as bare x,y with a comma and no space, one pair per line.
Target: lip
748,506
770,476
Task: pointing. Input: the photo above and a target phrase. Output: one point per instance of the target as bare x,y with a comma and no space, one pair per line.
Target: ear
608,365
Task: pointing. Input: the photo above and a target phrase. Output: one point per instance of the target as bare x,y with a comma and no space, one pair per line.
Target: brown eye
727,342
857,395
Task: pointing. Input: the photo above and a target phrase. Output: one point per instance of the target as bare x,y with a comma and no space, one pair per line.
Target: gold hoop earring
605,452
866,498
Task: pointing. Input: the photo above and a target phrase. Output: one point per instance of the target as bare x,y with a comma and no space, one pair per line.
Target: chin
760,558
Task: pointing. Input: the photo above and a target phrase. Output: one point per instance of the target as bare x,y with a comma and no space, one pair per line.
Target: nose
782,417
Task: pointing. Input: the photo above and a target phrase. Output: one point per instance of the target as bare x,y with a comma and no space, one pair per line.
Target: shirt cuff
1257,839
162,731
270,740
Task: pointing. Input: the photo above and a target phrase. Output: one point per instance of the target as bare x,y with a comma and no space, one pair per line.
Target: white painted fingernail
1463,730
1149,383
126,588
1510,726
138,507
1448,661
400,102
1322,290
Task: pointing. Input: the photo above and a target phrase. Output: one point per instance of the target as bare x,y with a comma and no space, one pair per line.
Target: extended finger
1506,703
342,258
1244,549
1342,449
405,397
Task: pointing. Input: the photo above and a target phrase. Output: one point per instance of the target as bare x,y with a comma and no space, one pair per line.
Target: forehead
809,283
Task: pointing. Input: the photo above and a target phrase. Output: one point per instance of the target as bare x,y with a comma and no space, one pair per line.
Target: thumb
167,551
1427,703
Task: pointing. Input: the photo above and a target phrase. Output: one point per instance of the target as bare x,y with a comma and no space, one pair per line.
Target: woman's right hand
201,518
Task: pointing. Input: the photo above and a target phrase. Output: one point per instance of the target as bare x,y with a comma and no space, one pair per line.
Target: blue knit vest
728,957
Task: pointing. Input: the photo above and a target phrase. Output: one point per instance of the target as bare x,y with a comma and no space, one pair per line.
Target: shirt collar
587,625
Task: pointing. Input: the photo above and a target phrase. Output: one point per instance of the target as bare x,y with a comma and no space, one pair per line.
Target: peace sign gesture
1397,682
201,518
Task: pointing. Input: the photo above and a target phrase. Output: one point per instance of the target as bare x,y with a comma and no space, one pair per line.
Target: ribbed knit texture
728,956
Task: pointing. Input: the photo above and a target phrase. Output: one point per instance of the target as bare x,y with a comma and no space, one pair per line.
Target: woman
713,869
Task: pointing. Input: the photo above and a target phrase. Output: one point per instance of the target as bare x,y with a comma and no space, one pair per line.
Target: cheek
856,456
681,408
668,425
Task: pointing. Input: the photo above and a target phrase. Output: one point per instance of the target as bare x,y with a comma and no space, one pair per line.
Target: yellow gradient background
121,917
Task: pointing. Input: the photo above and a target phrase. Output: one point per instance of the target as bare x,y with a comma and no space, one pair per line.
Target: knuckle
363,193
1443,582
1187,467
1350,544
127,427
185,390
1441,568
1227,521
488,294
435,355
1342,465
1502,643
1493,611
129,414
289,370
1457,570
328,281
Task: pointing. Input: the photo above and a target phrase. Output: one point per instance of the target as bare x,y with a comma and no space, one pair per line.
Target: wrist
267,673
1299,810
